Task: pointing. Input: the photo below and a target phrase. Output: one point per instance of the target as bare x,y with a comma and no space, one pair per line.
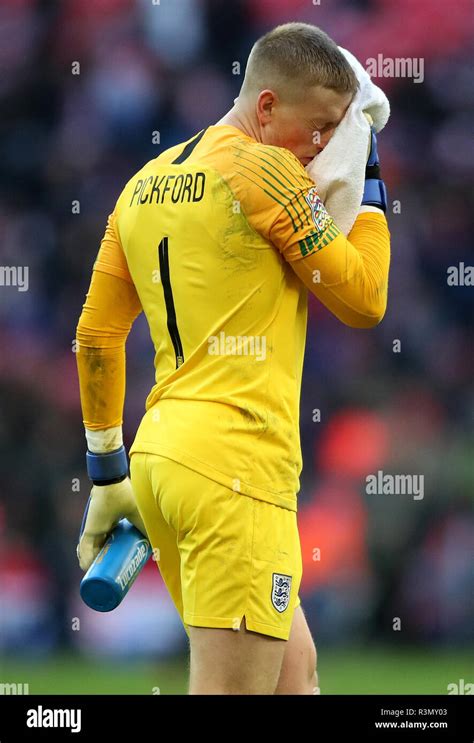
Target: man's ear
265,103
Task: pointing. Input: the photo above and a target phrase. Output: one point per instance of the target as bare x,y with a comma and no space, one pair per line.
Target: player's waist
246,446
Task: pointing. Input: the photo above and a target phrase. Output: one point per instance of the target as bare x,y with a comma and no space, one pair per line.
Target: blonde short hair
293,57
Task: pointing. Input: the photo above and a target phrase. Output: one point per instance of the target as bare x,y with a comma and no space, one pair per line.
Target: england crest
281,587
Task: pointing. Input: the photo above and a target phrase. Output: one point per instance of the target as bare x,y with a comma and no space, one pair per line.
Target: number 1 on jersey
169,302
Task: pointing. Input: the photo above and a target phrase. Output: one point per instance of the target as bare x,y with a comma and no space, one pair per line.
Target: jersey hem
213,474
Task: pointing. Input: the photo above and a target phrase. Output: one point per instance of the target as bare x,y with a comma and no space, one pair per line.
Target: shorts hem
195,620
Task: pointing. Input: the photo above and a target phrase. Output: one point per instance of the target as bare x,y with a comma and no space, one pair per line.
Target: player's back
227,315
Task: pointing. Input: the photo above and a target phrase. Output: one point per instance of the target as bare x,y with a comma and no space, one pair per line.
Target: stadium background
69,140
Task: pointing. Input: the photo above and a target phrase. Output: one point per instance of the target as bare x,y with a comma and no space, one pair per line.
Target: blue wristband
375,194
104,468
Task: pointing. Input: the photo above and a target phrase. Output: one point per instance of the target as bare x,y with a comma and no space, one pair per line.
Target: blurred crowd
89,92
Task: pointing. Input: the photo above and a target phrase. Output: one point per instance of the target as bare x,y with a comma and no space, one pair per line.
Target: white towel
339,170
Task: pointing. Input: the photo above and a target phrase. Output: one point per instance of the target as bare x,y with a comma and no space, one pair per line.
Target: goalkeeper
218,241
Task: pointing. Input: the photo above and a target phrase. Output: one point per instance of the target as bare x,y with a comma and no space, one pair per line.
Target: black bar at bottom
317,718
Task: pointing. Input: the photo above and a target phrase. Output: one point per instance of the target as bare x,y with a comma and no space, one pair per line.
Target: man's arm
350,275
111,306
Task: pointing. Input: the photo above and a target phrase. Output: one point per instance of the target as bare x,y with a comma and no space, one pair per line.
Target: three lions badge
281,587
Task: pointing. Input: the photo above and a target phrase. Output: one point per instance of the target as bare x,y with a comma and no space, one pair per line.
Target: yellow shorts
222,555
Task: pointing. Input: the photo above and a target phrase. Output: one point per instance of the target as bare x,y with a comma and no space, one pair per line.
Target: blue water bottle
116,567
126,551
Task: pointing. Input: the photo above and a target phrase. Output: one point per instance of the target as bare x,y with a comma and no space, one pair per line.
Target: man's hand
106,506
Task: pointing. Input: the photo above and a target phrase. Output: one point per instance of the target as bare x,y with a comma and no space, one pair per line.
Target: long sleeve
350,275
111,306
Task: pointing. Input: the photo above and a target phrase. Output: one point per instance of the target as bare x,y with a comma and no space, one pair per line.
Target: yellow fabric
245,235
217,550
351,276
110,308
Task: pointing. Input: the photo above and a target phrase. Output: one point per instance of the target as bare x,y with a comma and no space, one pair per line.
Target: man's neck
241,120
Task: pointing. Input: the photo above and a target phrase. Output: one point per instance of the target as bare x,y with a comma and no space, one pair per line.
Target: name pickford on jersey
185,187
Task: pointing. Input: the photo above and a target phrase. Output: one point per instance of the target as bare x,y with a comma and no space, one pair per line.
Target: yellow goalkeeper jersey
206,232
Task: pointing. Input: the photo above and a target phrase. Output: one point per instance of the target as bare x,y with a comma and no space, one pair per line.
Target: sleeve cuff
366,208
107,440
